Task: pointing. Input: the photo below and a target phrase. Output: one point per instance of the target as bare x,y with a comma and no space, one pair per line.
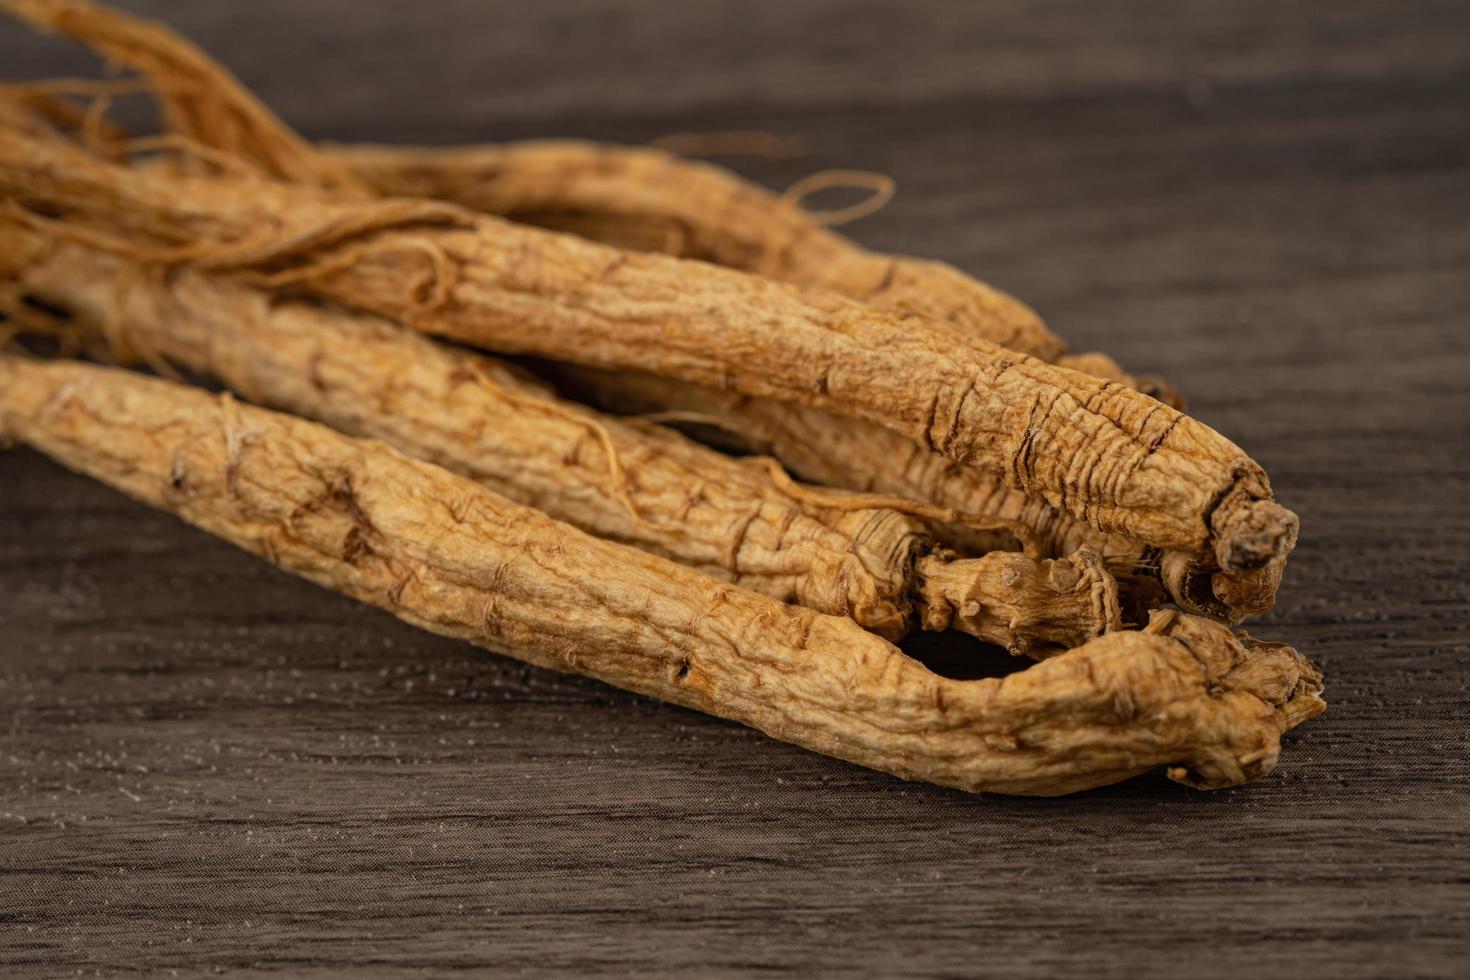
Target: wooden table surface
208,766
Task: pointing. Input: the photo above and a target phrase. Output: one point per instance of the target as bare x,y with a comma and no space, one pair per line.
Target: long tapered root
1099,450
441,552
809,320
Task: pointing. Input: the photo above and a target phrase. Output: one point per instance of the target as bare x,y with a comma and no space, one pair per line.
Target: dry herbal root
648,199
691,209
642,198
856,455
627,190
444,553
833,552
1102,452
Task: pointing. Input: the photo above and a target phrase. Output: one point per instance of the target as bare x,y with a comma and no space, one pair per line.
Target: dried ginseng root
649,200
625,196
834,552
1119,460
862,457
442,552
639,198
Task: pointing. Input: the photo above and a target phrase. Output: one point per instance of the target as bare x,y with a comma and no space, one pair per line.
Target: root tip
1260,532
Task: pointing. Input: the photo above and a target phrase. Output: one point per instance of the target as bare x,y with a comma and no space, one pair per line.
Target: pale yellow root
844,452
645,198
442,552
1118,460
744,521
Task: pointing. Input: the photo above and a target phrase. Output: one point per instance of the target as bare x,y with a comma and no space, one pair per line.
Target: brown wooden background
207,766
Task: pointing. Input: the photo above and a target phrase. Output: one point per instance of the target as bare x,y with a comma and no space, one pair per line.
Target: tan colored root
650,200
647,198
443,553
123,37
836,552
1100,451
856,455
751,228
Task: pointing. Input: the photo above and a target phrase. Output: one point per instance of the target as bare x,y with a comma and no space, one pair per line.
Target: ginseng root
859,456
639,198
647,199
631,196
1100,451
444,553
835,552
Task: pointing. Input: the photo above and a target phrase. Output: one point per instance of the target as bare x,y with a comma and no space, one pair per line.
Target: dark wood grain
207,766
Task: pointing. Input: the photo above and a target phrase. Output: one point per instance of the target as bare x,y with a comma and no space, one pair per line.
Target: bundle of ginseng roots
962,472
